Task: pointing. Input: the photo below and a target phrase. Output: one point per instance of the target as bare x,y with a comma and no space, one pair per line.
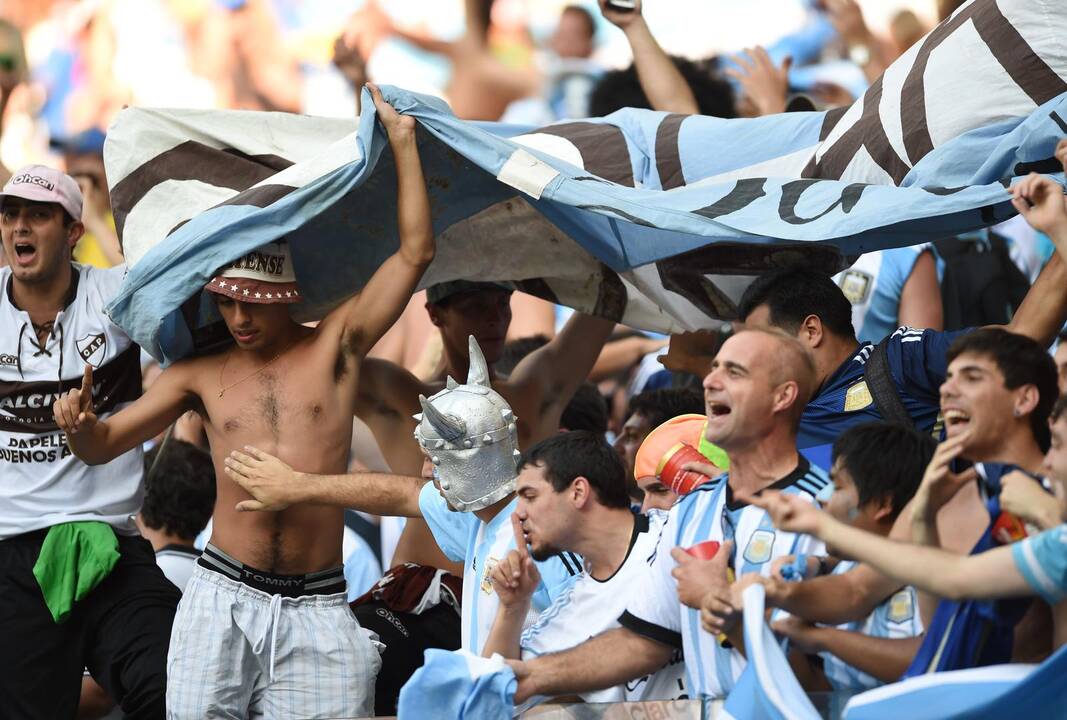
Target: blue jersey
874,285
711,513
480,546
973,633
917,364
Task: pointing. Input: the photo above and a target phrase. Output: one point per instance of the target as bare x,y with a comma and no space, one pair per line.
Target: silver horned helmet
469,433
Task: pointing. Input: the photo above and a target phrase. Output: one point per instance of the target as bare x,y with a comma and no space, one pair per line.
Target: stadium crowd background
66,69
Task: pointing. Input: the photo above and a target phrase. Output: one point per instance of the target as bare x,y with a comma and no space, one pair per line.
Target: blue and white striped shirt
711,513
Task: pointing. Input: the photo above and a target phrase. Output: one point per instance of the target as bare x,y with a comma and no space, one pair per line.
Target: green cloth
75,557
714,453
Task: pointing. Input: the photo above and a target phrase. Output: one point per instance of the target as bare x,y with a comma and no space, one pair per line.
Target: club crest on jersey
856,285
901,607
759,547
92,349
858,397
487,584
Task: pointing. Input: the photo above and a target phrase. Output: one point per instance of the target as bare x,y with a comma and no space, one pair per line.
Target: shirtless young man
265,604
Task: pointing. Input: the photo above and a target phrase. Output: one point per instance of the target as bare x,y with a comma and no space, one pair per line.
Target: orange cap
659,444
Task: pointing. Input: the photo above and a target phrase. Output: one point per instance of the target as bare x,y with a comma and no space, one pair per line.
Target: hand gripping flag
655,219
767,688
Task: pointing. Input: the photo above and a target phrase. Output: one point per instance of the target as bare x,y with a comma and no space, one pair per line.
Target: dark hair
1058,408
581,453
587,410
796,292
659,406
179,491
886,461
516,350
622,88
1022,361
586,15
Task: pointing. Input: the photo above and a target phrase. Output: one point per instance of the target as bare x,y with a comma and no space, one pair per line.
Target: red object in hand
1008,529
705,550
670,470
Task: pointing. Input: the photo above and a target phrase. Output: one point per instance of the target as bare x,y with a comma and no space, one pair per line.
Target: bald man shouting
758,386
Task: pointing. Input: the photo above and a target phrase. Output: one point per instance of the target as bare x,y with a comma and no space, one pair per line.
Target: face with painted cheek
844,503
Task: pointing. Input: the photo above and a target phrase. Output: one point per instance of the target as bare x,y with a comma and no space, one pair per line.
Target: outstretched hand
790,512
271,483
73,411
397,126
516,577
763,82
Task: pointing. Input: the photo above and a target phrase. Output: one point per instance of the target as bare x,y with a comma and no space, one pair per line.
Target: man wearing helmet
469,436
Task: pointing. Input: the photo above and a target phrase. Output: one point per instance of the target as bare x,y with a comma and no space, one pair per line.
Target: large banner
655,219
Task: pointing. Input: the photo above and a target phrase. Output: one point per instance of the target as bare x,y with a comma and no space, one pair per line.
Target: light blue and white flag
655,219
457,685
996,691
767,688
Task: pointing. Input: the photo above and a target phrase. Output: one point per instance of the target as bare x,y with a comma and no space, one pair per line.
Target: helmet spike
448,427
479,371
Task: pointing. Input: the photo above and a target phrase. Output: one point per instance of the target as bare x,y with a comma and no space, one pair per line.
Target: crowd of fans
882,450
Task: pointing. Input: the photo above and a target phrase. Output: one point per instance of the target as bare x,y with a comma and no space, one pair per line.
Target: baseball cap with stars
264,275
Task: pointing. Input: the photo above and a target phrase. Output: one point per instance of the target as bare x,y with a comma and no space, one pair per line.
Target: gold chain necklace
257,371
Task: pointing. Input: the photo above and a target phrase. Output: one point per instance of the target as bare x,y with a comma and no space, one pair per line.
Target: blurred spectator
626,88
14,71
644,412
481,85
83,156
569,73
586,411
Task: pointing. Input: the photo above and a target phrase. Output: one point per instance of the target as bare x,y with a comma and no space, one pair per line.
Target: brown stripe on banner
668,159
868,133
1011,50
536,287
192,160
830,119
611,295
602,147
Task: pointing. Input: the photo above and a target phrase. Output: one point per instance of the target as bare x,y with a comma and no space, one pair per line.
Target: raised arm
1044,309
515,579
608,659
555,371
274,485
988,575
99,441
920,300
364,318
660,79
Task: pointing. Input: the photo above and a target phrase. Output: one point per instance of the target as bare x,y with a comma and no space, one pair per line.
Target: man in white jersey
573,496
468,434
758,385
52,324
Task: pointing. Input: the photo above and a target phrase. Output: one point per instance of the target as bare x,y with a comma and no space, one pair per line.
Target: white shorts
238,652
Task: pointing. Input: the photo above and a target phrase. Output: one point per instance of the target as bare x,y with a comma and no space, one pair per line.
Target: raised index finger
520,536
